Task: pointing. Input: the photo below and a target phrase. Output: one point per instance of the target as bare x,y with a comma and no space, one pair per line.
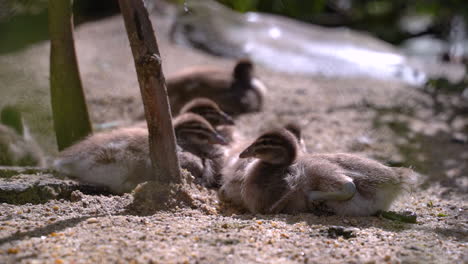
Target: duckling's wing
325,180
346,192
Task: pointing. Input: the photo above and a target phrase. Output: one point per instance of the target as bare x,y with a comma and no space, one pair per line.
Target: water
290,46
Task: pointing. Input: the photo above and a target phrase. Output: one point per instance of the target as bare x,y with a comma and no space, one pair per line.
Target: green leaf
406,217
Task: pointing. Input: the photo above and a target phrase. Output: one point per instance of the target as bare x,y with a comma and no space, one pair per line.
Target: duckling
119,159
265,179
206,108
283,179
232,175
376,185
209,110
17,147
222,123
208,148
235,168
236,94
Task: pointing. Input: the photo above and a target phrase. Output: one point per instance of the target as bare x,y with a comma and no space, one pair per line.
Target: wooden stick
148,66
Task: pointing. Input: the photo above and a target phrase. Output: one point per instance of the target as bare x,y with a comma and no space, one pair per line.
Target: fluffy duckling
209,110
235,168
376,186
119,159
17,147
235,94
206,108
222,123
207,150
265,179
232,175
282,179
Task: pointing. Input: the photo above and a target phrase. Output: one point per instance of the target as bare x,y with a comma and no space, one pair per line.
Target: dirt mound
151,197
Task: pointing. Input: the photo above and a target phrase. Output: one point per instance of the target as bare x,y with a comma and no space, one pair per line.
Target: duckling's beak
247,153
228,119
218,139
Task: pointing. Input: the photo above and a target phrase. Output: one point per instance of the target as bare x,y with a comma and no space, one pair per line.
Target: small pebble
459,138
76,196
12,251
92,220
340,231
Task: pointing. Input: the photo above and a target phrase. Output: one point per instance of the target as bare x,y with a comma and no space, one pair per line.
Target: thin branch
153,90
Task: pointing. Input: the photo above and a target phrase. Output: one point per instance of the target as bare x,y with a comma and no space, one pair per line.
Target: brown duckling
221,122
206,108
376,185
210,153
17,147
235,168
282,179
209,110
265,179
235,93
119,159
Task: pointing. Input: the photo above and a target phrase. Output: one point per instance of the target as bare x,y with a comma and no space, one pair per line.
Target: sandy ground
387,121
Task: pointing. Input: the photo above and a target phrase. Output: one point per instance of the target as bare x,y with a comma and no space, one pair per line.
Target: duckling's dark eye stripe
205,110
270,137
212,112
266,142
268,147
209,113
269,141
198,131
195,126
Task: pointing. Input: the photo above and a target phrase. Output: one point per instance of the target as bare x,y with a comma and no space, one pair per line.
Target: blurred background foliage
391,20
24,21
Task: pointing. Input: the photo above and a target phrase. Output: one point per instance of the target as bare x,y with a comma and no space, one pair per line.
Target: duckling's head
193,130
243,71
278,147
209,110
